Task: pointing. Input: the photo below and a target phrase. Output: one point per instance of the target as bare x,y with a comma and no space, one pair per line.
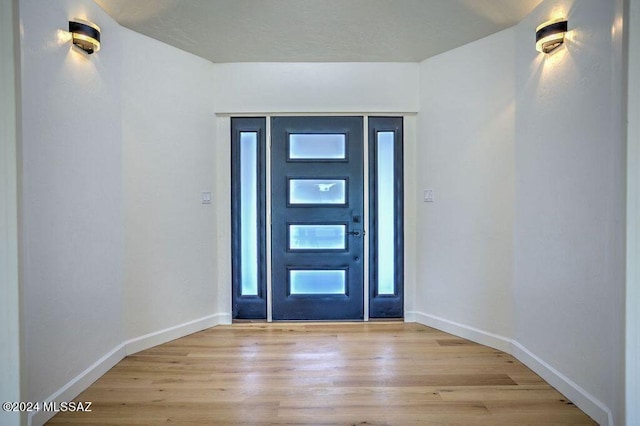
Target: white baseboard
78,384
83,380
576,394
466,332
168,334
583,399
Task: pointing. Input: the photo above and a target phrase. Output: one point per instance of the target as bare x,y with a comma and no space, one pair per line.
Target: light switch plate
206,197
428,195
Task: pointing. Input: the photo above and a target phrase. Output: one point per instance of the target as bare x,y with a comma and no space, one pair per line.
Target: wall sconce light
85,35
550,35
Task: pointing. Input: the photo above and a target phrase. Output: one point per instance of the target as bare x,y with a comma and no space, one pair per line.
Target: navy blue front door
317,210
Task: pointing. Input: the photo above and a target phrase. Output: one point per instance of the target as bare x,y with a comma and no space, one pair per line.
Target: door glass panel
249,213
385,213
327,237
317,147
318,281
317,191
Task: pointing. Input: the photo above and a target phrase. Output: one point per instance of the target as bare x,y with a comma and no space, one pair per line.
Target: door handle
357,233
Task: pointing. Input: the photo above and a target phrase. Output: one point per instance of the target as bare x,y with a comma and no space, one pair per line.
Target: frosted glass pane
317,191
318,282
317,146
331,237
386,213
249,213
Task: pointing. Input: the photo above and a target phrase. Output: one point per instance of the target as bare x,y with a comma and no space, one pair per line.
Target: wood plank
323,374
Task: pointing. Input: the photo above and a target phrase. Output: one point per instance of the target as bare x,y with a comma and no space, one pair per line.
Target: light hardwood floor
323,374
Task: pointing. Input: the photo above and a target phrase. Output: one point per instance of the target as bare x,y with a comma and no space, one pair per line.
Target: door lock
356,233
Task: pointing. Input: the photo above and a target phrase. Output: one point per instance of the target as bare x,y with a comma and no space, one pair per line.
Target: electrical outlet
428,195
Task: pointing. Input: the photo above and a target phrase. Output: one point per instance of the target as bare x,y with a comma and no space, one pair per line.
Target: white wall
521,144
118,252
524,243
170,260
411,256
316,87
222,201
308,88
71,196
570,180
632,372
9,291
465,154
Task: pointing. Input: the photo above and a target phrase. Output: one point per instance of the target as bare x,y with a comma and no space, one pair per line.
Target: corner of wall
169,159
464,153
410,213
632,25
11,364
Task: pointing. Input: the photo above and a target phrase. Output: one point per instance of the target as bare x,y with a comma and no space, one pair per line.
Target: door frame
224,218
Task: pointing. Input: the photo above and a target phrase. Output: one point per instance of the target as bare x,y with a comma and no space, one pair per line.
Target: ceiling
317,30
